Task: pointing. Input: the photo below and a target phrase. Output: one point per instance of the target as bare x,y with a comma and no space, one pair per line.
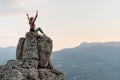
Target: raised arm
27,16
35,16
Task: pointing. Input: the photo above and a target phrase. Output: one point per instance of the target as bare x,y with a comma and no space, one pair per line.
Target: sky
67,22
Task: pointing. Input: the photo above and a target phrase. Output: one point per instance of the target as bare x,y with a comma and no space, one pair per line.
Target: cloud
18,5
6,6
29,2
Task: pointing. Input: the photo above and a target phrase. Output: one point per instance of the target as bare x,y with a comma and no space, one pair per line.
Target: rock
30,49
30,63
20,48
33,60
12,74
50,74
44,50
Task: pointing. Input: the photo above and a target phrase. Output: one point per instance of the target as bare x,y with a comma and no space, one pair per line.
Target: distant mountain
88,61
113,44
6,54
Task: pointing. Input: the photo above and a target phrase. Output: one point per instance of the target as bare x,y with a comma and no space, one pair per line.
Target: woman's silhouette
32,21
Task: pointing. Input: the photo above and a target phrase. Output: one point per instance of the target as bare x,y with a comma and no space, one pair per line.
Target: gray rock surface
32,60
20,48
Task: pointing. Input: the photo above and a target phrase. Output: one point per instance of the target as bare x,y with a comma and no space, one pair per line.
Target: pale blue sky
67,22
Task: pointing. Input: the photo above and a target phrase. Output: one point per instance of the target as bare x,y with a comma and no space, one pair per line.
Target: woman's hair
31,18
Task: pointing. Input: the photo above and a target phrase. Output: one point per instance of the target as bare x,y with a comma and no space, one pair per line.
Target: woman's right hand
36,12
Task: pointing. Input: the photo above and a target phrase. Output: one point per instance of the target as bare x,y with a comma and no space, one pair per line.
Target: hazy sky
67,22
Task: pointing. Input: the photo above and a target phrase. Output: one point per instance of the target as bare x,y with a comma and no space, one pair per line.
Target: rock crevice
32,60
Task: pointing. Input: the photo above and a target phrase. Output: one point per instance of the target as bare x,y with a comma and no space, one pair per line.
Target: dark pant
32,30
39,29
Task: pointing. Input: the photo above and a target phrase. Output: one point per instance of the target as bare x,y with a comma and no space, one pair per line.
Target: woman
32,21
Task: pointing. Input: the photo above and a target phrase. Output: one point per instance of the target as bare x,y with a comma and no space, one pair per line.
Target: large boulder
33,60
44,50
30,48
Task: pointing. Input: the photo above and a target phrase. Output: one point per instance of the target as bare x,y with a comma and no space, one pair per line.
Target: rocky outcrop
32,60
